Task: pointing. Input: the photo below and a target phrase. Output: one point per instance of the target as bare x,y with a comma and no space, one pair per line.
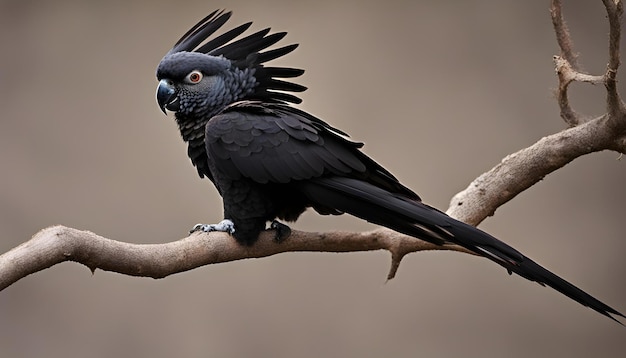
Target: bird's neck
192,130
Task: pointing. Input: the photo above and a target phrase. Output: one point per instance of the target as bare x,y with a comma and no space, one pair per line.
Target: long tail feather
416,219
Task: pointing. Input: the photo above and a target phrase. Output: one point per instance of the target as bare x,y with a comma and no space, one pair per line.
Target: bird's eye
194,77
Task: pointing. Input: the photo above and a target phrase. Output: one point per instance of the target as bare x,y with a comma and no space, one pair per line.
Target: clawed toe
282,231
225,225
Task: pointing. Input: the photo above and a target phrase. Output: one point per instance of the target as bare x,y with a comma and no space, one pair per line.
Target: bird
271,161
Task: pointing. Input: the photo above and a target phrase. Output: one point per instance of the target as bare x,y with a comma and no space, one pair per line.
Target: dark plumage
271,161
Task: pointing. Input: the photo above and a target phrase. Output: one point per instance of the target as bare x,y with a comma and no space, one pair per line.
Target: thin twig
562,35
614,10
566,65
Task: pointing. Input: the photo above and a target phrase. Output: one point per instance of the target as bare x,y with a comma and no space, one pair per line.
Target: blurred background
456,84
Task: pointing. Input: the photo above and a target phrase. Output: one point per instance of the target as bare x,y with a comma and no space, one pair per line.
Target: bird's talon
198,227
282,231
223,226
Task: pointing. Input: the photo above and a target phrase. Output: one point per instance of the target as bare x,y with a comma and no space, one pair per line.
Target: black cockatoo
269,160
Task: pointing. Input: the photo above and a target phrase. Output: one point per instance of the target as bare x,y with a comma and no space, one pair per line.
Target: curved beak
167,96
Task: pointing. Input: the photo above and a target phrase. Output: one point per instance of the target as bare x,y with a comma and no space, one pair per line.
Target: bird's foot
225,225
282,231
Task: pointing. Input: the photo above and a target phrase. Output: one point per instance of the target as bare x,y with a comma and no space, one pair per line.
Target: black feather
416,219
284,72
276,53
283,97
275,84
240,49
199,32
224,38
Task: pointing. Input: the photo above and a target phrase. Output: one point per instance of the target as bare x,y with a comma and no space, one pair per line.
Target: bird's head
201,79
189,80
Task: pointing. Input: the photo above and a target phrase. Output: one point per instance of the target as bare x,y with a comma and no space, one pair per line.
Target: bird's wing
272,143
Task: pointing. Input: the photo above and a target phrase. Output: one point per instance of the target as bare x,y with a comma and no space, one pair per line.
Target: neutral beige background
439,90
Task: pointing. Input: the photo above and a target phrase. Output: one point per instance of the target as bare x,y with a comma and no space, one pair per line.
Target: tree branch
566,64
615,106
58,244
519,171
563,37
516,173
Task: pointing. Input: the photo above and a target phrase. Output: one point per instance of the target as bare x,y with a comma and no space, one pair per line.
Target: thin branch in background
615,106
567,74
563,37
566,64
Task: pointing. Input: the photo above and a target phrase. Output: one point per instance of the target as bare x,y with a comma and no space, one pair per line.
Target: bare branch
614,10
567,74
566,65
519,171
568,69
59,244
562,35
